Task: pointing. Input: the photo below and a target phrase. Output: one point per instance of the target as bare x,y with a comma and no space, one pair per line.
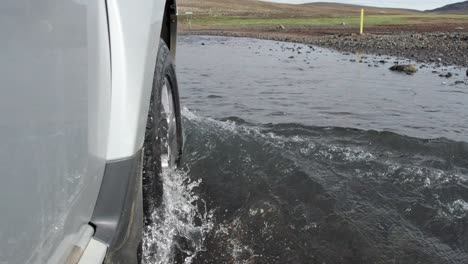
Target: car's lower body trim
118,215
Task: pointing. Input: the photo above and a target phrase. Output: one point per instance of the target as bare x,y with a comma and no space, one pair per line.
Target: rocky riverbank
440,48
444,47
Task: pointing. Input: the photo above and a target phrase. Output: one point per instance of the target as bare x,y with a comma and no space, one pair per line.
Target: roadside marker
188,17
362,21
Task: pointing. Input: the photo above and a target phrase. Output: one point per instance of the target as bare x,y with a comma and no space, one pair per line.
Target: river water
297,154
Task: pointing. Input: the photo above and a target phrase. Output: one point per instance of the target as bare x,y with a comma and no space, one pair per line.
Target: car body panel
54,120
135,27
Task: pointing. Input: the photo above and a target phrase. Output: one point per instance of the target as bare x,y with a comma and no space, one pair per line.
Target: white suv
89,117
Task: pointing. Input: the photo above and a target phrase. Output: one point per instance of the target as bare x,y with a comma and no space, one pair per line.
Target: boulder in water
408,69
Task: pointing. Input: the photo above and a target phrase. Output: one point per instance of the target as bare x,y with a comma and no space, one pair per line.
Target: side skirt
118,215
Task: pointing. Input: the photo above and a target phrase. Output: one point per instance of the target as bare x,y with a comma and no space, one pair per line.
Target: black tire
156,129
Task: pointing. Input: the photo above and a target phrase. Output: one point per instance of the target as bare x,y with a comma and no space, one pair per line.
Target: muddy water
297,154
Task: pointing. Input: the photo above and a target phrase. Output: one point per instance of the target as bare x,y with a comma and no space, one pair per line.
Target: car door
54,107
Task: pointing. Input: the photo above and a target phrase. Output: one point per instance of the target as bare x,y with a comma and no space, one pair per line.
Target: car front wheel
163,139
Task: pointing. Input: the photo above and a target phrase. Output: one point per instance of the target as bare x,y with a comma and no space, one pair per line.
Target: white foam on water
229,126
456,209
426,177
176,218
189,114
343,153
352,154
239,252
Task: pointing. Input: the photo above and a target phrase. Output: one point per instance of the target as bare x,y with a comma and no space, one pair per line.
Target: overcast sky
413,4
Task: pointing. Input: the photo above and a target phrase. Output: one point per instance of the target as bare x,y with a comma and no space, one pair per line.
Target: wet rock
212,96
448,75
408,69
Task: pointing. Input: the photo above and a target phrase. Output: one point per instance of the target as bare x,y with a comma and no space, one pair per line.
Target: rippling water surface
296,154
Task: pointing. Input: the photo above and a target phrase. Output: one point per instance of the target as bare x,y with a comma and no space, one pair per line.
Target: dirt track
443,44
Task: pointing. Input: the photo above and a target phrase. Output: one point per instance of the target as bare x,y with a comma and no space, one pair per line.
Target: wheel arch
135,28
169,26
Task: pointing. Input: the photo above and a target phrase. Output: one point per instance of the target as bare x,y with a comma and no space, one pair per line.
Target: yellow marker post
362,21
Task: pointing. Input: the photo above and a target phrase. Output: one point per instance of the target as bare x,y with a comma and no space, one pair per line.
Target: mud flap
118,215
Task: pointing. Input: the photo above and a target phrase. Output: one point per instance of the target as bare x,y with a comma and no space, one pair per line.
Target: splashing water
291,193
318,159
180,223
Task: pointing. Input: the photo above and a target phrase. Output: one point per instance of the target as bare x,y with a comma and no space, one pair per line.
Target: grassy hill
262,13
461,7
255,8
338,9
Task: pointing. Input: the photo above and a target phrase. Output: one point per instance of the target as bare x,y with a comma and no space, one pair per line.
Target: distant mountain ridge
461,7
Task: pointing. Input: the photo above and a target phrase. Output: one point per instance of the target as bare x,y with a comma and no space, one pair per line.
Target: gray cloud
414,4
